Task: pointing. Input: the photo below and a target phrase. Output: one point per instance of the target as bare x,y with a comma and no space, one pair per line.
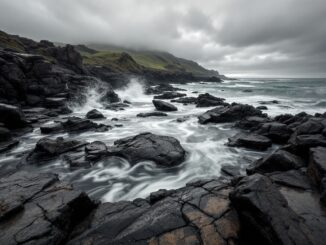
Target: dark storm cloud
280,37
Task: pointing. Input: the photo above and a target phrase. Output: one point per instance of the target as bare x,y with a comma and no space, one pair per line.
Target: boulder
47,148
262,107
94,114
229,113
117,106
292,179
95,150
310,127
252,141
164,106
231,171
206,100
110,97
279,160
169,95
12,117
251,123
76,124
163,150
301,144
277,132
39,209
265,213
152,114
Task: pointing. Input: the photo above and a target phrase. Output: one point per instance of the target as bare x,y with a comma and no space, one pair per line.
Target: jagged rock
310,127
206,100
169,95
55,127
76,124
38,209
230,170
252,141
277,132
317,165
266,215
291,178
152,114
94,114
301,144
163,150
116,106
186,100
229,113
164,106
251,123
12,117
110,97
47,148
191,215
277,161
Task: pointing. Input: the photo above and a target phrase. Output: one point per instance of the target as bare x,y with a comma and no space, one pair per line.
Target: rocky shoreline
281,200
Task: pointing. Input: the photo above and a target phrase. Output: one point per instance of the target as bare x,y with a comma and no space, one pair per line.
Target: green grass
7,41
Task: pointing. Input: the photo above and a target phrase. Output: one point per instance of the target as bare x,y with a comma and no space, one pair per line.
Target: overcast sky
243,37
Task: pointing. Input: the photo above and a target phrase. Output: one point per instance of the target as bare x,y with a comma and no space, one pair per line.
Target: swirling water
114,179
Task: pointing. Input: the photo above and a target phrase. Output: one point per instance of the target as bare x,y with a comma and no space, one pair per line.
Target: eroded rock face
229,113
164,106
199,214
266,213
38,209
317,165
163,150
252,141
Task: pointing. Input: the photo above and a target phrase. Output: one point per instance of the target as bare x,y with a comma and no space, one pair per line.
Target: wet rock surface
252,141
163,150
164,106
152,114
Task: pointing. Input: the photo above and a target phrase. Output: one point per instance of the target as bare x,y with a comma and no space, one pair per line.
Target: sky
253,38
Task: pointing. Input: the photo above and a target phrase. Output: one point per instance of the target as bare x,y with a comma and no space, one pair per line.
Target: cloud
280,37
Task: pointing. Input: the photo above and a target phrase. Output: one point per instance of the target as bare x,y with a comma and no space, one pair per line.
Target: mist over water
113,178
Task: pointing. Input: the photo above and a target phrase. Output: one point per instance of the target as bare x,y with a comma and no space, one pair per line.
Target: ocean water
114,179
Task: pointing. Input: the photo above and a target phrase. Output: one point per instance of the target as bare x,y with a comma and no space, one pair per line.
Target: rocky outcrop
197,214
39,209
229,113
164,106
163,150
206,100
12,117
277,132
161,88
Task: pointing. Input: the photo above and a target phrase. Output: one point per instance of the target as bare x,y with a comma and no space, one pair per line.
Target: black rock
117,106
186,100
5,134
12,117
76,124
110,97
266,215
317,165
230,170
163,150
94,114
39,209
55,102
252,141
262,107
95,150
169,95
301,144
47,148
206,100
229,113
161,88
164,106
52,128
277,132
251,123
277,161
152,114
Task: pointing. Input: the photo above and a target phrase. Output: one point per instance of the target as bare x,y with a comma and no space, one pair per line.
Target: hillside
107,55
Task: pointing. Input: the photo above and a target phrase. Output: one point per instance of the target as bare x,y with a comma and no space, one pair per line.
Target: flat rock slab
163,150
199,214
251,141
39,209
152,114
